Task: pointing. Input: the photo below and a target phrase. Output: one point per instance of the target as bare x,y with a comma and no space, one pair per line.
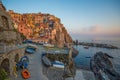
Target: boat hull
25,74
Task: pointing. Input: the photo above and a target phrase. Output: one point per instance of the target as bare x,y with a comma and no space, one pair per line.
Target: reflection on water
83,60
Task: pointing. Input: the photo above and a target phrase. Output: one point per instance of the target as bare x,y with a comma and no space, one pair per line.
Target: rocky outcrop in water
100,45
41,27
102,67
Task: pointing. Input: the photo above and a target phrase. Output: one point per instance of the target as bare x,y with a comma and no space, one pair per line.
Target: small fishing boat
58,64
23,63
48,45
86,47
30,50
46,61
88,57
25,74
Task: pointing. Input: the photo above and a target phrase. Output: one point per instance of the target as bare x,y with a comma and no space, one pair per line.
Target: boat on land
58,64
48,45
25,74
30,50
23,63
46,61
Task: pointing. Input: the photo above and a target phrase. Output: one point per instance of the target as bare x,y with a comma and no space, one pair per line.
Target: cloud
98,30
92,29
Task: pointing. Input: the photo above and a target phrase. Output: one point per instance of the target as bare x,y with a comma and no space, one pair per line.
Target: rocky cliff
8,35
41,27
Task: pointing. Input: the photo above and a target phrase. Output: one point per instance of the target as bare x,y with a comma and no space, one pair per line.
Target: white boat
58,64
48,45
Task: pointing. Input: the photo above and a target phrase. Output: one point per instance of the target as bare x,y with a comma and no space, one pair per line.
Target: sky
81,18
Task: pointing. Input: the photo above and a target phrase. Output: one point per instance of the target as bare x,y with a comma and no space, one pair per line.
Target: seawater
82,60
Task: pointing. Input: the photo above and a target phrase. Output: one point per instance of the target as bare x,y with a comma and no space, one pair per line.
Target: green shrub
3,74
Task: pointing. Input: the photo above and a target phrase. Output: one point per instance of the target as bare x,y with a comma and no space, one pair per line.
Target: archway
6,65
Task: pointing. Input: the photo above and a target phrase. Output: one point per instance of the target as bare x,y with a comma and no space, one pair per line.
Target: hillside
41,27
8,35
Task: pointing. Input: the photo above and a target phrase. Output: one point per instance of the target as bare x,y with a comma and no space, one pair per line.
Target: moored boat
86,47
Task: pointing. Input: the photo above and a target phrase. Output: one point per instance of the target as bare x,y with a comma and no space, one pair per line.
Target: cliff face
8,35
41,28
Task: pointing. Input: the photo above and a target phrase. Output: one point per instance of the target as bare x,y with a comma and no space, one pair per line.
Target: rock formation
8,35
41,27
103,68
10,52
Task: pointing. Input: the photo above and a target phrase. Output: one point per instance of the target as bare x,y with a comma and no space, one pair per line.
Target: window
5,22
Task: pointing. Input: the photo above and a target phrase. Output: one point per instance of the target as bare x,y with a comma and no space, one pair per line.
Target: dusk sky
86,18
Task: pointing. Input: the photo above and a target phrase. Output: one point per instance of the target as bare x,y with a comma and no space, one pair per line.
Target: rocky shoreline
100,45
103,68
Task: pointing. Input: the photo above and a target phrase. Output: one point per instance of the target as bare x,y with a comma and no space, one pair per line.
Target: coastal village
33,29
37,46
41,27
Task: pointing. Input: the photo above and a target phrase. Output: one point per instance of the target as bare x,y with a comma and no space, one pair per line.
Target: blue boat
23,63
30,50
27,41
46,61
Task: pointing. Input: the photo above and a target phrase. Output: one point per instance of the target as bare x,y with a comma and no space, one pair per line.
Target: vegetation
3,74
23,37
59,57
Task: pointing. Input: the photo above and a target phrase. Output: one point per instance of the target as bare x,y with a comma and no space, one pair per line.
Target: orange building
35,26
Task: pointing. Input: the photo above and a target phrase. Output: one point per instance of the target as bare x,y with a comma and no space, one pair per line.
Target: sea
82,60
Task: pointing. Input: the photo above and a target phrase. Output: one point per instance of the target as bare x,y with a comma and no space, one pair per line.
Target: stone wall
12,57
9,37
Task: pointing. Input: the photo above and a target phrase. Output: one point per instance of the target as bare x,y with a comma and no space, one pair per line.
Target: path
35,66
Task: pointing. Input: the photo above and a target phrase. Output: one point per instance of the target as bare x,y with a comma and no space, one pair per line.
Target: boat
25,74
58,64
30,50
23,63
24,58
86,47
48,45
88,57
46,61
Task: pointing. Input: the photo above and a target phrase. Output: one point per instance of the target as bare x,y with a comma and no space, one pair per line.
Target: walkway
35,66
